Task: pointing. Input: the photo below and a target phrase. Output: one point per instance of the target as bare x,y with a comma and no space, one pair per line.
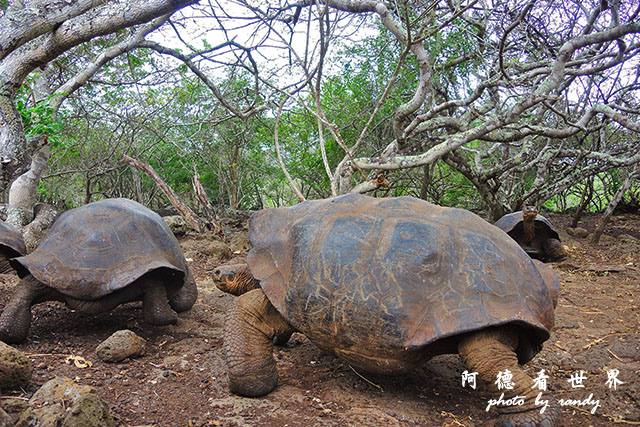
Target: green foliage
173,122
38,117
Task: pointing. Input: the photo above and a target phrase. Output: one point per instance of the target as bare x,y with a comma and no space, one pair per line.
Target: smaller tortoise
386,284
534,233
11,246
97,257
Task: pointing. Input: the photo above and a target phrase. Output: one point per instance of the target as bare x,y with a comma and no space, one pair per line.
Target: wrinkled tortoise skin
398,277
99,248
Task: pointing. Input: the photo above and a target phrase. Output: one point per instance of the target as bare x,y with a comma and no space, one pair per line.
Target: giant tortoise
97,257
11,245
386,284
534,233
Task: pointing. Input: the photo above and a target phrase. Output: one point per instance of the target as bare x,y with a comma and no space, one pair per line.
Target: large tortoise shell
11,242
96,249
513,221
395,272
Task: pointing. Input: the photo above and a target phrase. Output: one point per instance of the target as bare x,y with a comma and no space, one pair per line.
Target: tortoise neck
528,226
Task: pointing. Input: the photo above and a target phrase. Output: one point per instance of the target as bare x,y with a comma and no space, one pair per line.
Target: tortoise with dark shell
386,284
97,257
11,245
534,233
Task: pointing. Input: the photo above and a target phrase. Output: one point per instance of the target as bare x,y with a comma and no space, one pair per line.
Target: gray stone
15,368
177,224
121,345
577,232
61,402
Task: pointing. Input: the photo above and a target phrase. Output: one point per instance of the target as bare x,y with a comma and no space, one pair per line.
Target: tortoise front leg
252,323
16,317
493,350
554,250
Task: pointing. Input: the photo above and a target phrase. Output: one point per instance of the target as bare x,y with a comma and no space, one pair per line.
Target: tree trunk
22,194
587,194
427,177
14,159
185,211
595,237
233,178
213,220
345,175
87,190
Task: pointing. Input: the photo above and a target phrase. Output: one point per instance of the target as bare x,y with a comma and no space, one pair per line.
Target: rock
578,232
627,238
177,224
217,249
120,345
15,368
61,402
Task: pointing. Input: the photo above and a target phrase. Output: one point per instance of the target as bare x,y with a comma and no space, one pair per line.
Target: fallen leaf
79,361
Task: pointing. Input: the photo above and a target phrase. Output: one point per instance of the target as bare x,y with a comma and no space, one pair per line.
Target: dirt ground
181,381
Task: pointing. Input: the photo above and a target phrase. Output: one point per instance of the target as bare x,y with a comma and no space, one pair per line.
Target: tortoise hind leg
186,296
554,250
491,351
252,323
155,304
16,317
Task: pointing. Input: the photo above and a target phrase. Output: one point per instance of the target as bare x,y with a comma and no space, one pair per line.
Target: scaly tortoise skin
11,245
542,242
97,257
386,284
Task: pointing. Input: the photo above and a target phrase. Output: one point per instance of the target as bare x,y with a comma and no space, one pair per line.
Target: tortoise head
234,279
529,213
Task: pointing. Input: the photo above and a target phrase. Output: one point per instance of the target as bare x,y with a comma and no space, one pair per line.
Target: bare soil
181,381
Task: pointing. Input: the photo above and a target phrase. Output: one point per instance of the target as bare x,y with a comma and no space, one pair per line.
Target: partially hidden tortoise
97,257
385,284
534,233
11,245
